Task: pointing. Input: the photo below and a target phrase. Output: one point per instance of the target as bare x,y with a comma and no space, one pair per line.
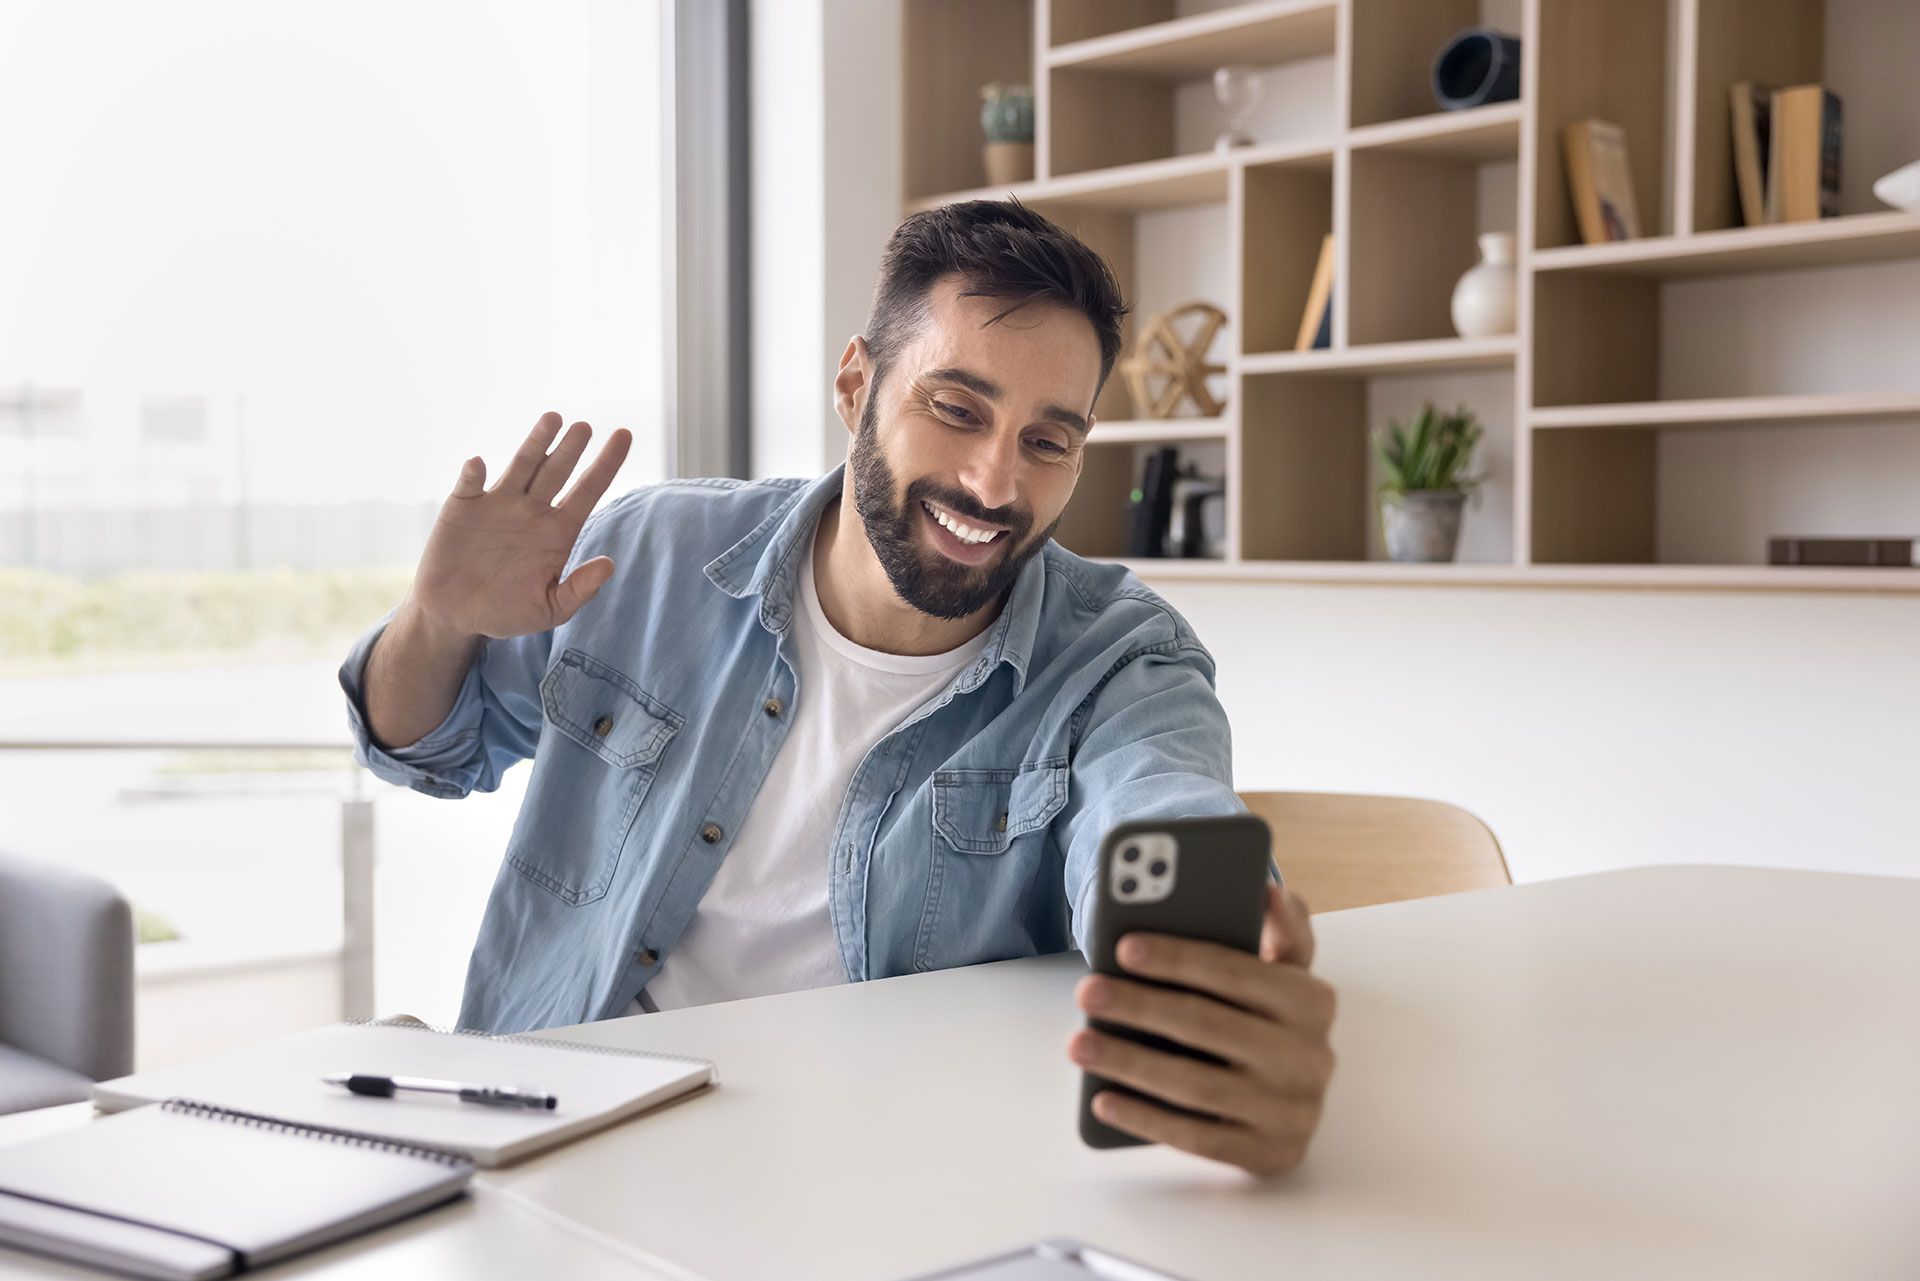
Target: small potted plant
1424,482
1007,119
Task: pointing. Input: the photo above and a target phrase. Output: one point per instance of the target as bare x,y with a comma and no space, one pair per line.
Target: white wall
1590,729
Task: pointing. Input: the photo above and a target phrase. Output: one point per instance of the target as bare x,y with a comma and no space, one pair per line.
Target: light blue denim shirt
969,833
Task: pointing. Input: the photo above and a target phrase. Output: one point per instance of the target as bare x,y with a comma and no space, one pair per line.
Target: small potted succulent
1424,482
1006,117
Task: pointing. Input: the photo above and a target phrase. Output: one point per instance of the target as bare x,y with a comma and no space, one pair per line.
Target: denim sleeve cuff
432,765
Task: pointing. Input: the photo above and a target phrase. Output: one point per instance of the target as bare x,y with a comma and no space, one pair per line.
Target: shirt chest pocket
983,811
602,749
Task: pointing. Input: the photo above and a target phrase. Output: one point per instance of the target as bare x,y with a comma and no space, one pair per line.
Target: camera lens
1130,853
1129,885
1159,867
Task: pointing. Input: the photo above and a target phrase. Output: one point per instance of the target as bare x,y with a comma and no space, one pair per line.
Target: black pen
383,1087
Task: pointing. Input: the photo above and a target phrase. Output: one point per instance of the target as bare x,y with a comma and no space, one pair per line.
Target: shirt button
711,833
603,727
648,956
771,707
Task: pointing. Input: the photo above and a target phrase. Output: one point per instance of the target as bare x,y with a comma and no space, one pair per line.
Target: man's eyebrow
991,390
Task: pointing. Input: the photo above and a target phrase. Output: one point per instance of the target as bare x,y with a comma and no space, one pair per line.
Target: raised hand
492,564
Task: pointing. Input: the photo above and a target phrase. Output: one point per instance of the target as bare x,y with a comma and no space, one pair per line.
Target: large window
268,273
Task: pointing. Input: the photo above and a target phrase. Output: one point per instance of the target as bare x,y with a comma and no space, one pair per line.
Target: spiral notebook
595,1085
190,1190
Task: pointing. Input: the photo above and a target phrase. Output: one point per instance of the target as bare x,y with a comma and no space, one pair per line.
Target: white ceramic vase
1483,300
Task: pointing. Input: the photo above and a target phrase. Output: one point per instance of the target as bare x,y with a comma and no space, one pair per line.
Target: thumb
582,585
473,476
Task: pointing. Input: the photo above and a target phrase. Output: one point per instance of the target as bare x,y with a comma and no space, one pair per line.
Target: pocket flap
606,713
982,810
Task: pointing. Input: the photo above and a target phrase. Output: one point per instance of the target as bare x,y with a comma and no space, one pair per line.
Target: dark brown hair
1001,249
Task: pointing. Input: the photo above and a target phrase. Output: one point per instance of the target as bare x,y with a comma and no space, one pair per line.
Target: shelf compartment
1412,226
1774,44
1430,355
1735,411
1287,212
1189,48
1477,136
950,49
1155,431
1302,476
1394,45
1870,237
1606,59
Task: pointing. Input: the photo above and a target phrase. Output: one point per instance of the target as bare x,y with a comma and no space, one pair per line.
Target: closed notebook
187,1190
594,1085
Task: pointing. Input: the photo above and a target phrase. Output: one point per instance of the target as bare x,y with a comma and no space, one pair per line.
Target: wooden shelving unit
1406,190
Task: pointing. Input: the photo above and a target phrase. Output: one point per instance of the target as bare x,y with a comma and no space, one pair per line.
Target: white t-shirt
763,925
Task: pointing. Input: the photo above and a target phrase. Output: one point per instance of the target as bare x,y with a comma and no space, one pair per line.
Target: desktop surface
1673,1071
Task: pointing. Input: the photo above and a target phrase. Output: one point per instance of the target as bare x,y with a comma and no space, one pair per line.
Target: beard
921,576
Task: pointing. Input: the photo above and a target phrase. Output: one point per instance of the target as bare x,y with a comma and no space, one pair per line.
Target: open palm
492,564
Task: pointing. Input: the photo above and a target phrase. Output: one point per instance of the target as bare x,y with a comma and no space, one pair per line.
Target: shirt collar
766,564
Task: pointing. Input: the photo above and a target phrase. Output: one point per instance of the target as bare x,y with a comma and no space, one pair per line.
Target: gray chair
66,984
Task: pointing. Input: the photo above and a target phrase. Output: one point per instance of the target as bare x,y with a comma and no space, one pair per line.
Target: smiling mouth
971,535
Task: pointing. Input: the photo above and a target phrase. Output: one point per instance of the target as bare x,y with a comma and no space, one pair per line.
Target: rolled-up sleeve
1154,744
495,720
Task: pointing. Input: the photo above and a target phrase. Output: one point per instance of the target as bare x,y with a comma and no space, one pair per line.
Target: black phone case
1218,895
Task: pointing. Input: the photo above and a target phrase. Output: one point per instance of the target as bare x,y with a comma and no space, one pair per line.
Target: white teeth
965,533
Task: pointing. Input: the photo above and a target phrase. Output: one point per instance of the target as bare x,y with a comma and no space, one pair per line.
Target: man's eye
1049,446
955,410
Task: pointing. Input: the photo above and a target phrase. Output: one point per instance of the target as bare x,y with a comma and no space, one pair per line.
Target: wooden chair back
1337,851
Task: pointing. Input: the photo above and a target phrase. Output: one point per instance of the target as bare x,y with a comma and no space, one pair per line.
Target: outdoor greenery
1433,453
58,617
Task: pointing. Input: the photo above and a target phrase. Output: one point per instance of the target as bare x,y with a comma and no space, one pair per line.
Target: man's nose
989,470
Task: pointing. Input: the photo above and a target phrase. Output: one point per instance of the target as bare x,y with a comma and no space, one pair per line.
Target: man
790,733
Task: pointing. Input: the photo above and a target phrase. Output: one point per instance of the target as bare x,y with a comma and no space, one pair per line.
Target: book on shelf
1899,553
1803,172
1600,181
1316,322
1751,109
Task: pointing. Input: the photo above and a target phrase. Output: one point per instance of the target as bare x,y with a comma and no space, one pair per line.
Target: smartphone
1201,878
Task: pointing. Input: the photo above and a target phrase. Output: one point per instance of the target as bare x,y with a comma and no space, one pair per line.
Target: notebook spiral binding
527,1038
213,1112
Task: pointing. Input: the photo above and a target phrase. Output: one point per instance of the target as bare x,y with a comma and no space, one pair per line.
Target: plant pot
1008,163
1422,526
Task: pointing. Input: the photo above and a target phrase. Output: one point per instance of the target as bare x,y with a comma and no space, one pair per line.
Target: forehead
1040,352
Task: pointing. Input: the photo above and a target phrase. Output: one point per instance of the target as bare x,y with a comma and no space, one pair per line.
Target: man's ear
853,382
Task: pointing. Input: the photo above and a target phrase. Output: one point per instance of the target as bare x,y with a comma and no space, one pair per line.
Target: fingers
599,474
558,465
1198,1021
473,478
1286,935
1284,992
580,587
1214,1140
532,452
1173,1077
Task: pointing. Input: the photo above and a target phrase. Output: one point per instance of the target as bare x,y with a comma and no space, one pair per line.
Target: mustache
1012,519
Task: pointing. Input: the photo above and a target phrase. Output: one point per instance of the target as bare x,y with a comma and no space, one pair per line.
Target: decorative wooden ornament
1161,353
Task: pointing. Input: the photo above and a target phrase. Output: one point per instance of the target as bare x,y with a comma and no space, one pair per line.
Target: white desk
1685,1071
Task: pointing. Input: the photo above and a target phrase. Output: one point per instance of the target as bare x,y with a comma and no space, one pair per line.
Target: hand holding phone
1210,1032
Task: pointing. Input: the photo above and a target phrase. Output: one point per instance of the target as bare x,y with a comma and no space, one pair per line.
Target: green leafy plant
1007,115
1431,453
